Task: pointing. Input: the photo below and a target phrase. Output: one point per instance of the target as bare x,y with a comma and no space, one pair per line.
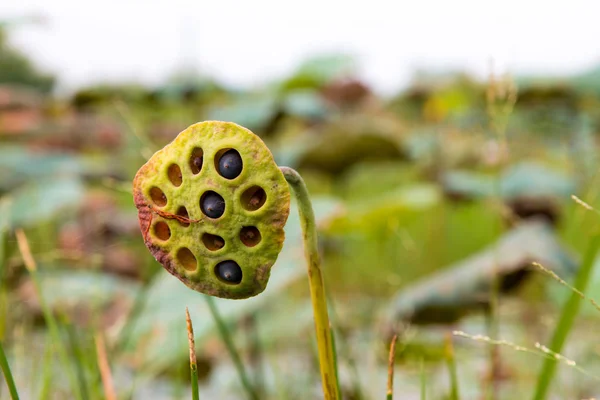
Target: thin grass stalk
31,266
3,268
567,318
501,96
281,392
193,362
129,326
538,350
255,353
47,371
233,353
104,366
317,286
451,363
77,357
423,380
391,359
342,340
10,381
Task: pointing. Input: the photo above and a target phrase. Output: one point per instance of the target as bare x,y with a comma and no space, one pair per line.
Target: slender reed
31,266
10,382
391,359
193,363
107,381
567,317
423,381
77,356
340,338
226,336
449,350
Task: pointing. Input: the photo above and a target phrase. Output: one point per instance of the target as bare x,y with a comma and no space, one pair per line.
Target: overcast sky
249,42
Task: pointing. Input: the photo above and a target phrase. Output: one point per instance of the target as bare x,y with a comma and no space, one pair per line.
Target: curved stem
315,280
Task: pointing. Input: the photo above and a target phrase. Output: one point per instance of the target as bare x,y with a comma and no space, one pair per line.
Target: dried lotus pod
212,205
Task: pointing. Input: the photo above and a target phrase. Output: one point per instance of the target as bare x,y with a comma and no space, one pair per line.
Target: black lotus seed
229,271
230,164
212,204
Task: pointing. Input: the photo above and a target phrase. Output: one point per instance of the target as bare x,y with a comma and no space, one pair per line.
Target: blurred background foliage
424,200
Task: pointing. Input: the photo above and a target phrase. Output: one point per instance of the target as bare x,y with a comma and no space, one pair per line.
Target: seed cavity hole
228,163
196,160
250,236
253,198
182,212
213,242
175,176
229,272
162,230
158,196
212,204
187,259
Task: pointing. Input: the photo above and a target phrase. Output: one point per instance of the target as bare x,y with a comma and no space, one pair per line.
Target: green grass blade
193,363
53,326
391,359
567,317
78,357
341,338
255,353
10,382
4,212
46,378
423,381
233,353
450,362
132,318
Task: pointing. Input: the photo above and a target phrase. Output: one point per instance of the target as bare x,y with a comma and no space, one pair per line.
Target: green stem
341,341
316,283
454,392
194,377
226,336
423,380
47,370
256,353
51,322
77,357
391,360
567,317
193,363
10,382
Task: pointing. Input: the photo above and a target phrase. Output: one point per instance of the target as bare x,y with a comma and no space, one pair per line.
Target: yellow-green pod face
212,205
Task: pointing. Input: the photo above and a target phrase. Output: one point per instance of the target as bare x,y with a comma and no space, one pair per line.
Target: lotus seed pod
217,225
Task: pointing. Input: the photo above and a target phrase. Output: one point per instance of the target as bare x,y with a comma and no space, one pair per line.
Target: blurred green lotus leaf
521,180
38,201
447,295
370,214
252,111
